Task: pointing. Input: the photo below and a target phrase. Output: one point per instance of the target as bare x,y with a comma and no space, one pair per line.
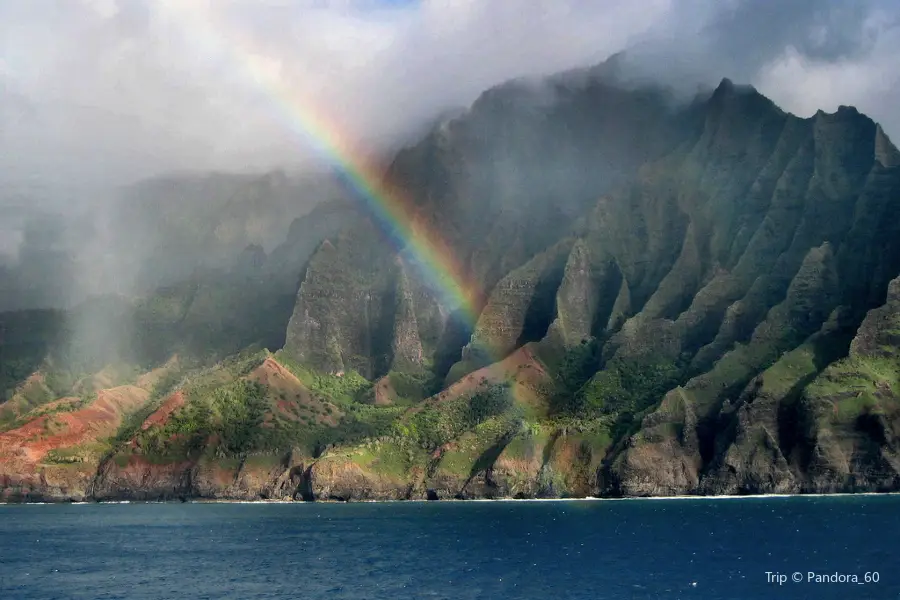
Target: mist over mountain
152,233
670,295
633,278
96,95
106,92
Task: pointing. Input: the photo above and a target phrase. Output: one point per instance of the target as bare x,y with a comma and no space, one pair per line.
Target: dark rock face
851,410
766,303
359,308
750,243
699,299
502,184
517,311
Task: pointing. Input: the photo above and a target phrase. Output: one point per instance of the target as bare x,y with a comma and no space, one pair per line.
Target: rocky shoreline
202,500
310,484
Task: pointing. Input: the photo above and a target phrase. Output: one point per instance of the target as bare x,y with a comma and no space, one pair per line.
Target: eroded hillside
672,299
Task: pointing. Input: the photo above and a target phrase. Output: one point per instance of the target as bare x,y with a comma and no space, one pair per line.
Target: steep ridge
358,308
825,266
502,183
516,311
218,312
710,308
850,416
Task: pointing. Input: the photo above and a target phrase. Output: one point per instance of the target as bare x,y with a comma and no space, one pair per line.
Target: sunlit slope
669,299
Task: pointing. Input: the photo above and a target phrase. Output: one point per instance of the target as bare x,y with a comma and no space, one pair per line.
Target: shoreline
456,500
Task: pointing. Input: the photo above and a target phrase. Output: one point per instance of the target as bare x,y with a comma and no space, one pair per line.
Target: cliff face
802,279
502,184
698,299
359,308
850,414
516,312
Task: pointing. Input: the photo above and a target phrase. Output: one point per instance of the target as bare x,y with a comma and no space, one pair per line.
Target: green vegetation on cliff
345,389
433,425
665,297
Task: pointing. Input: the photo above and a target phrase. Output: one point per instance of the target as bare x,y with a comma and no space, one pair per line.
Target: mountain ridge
671,300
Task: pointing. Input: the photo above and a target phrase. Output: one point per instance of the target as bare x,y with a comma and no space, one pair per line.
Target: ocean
769,547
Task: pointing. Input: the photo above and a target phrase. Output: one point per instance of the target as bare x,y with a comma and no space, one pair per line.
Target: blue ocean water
634,549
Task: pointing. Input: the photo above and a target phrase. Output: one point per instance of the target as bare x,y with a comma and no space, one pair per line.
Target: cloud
100,91
869,80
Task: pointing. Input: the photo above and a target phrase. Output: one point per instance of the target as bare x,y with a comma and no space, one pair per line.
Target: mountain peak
727,88
843,113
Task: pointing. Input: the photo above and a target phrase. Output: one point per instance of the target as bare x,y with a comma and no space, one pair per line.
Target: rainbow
390,206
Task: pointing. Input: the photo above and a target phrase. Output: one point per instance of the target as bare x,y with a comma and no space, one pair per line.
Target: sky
105,91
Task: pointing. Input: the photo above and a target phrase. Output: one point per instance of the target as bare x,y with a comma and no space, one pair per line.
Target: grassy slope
262,405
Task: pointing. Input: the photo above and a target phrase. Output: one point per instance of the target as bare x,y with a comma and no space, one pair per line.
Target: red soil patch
279,379
162,414
384,392
521,368
292,399
27,445
531,464
289,409
565,452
